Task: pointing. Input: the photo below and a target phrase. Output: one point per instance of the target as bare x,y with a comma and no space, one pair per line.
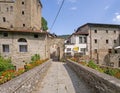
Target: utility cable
57,14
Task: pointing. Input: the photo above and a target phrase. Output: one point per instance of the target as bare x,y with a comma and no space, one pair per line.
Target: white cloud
73,8
117,17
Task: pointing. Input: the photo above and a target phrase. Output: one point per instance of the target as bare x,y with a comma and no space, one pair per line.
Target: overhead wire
57,14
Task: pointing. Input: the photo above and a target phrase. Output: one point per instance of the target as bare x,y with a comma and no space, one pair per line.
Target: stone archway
55,52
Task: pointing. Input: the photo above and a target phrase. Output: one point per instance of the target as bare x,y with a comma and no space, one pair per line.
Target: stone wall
26,82
99,82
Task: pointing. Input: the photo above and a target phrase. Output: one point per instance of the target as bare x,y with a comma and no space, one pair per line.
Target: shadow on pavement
79,85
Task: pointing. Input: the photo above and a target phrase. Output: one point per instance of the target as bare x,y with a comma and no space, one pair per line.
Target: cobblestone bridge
61,79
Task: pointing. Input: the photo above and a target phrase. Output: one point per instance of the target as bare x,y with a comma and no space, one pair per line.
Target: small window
11,26
114,31
106,31
4,19
35,36
23,48
107,41
23,3
5,34
68,49
115,41
95,51
11,8
23,12
5,48
116,51
109,50
95,40
23,25
95,31
7,9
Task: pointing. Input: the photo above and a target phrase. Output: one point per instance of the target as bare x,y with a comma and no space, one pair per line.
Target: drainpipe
90,44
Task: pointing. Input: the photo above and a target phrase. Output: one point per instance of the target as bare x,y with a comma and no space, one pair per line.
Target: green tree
44,24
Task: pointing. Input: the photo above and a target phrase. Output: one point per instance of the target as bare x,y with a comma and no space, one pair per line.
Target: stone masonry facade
101,42
20,14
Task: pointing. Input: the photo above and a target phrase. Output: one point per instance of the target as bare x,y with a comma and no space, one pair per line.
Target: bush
91,64
5,64
111,72
35,57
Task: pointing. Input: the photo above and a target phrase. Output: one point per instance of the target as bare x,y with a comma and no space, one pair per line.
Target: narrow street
61,79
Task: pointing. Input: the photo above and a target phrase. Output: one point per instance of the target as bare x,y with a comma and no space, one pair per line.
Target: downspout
90,44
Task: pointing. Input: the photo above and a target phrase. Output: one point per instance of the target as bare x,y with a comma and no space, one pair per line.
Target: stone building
20,32
101,42
20,14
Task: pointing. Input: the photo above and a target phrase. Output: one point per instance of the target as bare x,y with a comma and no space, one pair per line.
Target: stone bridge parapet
99,82
26,82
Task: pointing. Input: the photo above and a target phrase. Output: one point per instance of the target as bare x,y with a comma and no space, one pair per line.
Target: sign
76,49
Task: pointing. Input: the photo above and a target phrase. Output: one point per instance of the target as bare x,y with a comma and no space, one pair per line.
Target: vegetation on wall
44,24
107,70
7,71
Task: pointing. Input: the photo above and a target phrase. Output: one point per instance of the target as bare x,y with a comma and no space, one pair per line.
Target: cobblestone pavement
61,79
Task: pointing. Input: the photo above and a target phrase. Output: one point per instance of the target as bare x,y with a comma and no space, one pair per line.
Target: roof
100,25
22,31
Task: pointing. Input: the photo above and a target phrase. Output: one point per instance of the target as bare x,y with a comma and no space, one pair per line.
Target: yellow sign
76,49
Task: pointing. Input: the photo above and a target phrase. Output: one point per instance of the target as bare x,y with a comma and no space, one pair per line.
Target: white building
76,44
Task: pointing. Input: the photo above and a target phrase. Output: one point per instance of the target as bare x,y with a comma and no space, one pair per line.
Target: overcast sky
75,13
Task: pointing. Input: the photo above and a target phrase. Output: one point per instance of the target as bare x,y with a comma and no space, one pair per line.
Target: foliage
35,57
110,71
91,64
34,64
5,64
44,24
10,74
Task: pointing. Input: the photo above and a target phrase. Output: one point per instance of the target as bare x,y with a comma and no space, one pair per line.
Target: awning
118,47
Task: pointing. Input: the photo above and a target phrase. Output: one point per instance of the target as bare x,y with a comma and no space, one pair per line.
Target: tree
44,24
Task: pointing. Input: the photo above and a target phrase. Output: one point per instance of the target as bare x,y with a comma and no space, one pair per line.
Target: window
116,51
4,19
83,50
23,13
22,45
82,39
23,3
107,41
95,31
95,40
23,48
11,8
115,41
106,31
95,51
35,36
109,50
85,39
68,49
23,25
114,31
5,48
7,9
5,34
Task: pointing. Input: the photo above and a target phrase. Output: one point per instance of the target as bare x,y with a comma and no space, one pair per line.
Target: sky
75,13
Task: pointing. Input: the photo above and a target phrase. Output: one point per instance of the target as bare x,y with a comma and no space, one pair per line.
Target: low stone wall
99,82
26,82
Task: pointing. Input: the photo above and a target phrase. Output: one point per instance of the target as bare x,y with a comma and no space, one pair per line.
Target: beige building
101,42
20,14
20,32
